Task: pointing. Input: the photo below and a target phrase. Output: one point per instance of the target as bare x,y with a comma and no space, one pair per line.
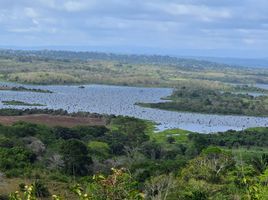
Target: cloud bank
227,26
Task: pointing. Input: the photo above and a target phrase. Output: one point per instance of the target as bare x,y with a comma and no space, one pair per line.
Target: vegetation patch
23,89
20,103
204,100
171,136
125,160
59,67
43,78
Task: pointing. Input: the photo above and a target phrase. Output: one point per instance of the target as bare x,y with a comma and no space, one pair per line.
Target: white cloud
2,16
216,23
35,21
48,3
30,12
24,30
68,5
199,12
75,6
249,41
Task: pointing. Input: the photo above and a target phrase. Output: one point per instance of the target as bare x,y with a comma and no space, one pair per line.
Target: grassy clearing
179,135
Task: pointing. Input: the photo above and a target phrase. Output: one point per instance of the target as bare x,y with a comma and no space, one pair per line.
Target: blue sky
232,28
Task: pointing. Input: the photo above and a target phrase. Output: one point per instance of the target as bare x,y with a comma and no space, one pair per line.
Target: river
119,100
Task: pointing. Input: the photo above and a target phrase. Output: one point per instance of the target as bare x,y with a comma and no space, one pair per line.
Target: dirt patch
54,120
10,185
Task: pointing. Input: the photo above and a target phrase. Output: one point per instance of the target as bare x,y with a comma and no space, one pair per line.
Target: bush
6,142
14,160
22,187
75,157
99,149
40,189
66,133
4,197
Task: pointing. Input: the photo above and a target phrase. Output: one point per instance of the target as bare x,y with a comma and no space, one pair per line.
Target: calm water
121,101
263,86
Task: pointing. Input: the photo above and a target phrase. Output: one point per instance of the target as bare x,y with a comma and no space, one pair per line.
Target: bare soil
54,120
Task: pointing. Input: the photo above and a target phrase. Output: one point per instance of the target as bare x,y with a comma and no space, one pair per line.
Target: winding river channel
117,100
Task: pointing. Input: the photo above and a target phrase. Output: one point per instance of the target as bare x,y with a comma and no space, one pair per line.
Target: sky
226,28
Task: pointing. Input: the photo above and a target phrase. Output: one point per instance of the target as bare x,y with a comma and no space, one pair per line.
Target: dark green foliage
203,100
259,163
68,141
98,149
20,103
116,142
199,141
202,164
132,130
6,142
17,112
22,187
126,132
66,133
20,88
40,189
4,197
22,129
152,150
90,132
75,157
171,140
197,195
249,137
15,160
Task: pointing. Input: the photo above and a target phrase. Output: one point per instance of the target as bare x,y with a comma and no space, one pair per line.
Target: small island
23,89
20,103
198,99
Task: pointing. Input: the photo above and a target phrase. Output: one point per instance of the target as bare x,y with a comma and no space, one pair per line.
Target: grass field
179,135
